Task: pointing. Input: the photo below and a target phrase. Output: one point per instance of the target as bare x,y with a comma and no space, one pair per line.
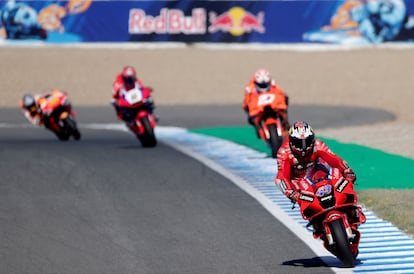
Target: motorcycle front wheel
342,245
275,141
148,138
62,136
71,127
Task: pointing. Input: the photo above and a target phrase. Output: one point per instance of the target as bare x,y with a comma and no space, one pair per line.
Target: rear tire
342,244
147,139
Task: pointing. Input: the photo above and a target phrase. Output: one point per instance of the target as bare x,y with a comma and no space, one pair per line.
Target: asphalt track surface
107,205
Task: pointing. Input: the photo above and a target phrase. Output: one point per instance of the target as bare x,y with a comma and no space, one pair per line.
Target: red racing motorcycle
330,206
134,105
58,116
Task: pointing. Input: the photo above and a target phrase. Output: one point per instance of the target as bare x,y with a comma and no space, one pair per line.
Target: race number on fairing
323,190
266,99
132,96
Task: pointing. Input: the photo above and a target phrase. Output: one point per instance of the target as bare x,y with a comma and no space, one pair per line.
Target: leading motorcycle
330,206
58,116
268,121
134,104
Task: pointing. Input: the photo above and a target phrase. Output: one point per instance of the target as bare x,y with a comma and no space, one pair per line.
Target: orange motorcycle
268,121
58,116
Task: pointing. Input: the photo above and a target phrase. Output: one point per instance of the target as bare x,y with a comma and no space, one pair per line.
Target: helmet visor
262,86
129,81
302,144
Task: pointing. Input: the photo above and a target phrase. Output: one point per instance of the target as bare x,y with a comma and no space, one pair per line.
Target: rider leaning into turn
30,105
127,80
302,156
261,81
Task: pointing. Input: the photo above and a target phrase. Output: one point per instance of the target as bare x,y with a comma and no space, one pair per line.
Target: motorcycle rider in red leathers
303,156
127,80
303,160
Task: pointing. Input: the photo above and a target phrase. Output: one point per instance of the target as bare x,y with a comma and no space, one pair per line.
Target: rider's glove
349,175
293,195
114,102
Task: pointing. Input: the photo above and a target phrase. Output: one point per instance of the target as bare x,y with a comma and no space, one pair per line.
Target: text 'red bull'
170,21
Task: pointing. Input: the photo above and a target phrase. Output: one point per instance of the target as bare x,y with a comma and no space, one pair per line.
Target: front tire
275,141
148,138
62,136
72,128
342,245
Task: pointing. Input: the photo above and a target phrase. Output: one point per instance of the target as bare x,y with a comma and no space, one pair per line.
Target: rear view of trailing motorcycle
330,206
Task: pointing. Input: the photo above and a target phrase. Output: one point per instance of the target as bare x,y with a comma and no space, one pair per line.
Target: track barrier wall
308,21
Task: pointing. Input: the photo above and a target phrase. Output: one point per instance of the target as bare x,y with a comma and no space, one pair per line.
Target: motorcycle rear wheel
148,138
342,244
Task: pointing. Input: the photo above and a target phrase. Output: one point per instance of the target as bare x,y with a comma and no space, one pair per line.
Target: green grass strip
374,168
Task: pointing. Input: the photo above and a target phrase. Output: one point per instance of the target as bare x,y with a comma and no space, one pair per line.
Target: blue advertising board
307,21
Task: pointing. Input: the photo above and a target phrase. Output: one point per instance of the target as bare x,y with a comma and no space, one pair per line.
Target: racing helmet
129,75
301,139
262,80
28,102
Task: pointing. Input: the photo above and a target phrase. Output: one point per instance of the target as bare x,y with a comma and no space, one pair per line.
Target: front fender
140,115
270,120
332,216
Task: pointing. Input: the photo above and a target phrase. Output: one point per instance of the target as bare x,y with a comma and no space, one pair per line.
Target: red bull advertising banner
307,21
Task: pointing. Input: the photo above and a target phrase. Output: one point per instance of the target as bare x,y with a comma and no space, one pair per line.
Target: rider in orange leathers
126,80
30,105
261,81
302,156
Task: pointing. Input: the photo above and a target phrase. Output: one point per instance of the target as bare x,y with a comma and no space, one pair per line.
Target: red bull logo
236,21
